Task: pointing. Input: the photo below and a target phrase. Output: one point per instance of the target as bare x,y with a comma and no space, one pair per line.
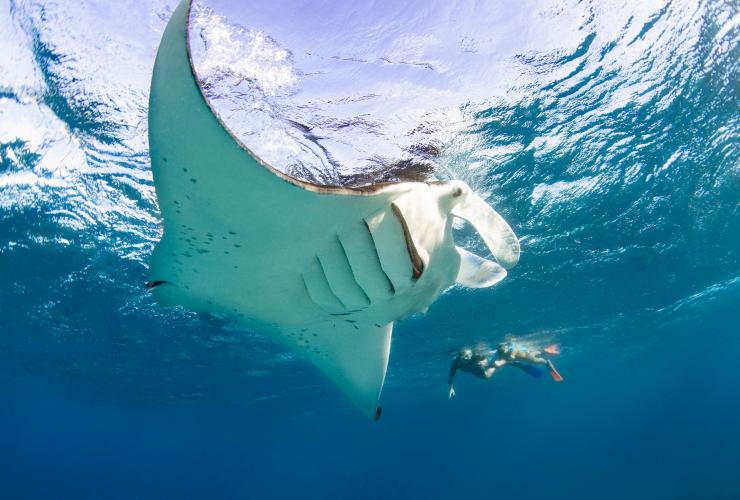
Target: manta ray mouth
417,264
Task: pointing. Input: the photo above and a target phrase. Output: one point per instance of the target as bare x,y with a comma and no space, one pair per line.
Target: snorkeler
484,363
478,364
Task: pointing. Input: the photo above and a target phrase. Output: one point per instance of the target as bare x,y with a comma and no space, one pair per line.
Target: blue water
615,158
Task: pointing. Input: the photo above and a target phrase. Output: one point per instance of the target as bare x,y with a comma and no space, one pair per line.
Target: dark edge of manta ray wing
309,186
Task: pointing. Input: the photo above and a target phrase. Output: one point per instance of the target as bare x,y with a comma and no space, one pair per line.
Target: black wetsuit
476,365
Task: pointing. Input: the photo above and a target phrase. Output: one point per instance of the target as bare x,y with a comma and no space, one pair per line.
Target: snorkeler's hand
452,392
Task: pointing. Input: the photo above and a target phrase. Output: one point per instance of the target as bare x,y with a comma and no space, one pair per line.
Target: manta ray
325,270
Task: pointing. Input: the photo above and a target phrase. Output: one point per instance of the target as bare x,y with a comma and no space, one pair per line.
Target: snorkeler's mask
505,347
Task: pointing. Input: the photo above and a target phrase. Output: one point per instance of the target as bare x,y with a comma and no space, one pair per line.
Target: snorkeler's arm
451,379
500,362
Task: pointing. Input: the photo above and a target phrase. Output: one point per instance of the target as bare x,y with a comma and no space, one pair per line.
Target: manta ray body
326,270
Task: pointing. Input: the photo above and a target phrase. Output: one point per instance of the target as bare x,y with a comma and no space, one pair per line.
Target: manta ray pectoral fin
354,356
496,233
477,272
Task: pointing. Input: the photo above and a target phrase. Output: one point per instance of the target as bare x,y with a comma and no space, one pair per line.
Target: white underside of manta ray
324,270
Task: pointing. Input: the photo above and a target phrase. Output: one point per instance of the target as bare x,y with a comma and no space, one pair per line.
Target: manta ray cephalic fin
477,272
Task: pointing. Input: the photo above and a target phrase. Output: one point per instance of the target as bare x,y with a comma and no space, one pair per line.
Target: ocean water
610,144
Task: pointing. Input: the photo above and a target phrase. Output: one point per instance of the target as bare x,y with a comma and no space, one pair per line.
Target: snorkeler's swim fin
555,375
530,370
552,349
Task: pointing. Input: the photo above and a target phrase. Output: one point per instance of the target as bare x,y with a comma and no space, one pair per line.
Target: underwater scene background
609,143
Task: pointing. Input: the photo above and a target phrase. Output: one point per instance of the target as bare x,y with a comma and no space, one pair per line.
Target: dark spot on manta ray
184,169
226,252
193,180
202,250
232,233
164,159
154,284
237,245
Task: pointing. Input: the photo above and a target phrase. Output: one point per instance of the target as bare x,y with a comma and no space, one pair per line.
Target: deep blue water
612,151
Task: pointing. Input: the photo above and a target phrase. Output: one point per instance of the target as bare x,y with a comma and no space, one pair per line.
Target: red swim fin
553,349
555,375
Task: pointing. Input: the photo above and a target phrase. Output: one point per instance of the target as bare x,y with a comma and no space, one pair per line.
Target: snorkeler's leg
488,373
536,359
